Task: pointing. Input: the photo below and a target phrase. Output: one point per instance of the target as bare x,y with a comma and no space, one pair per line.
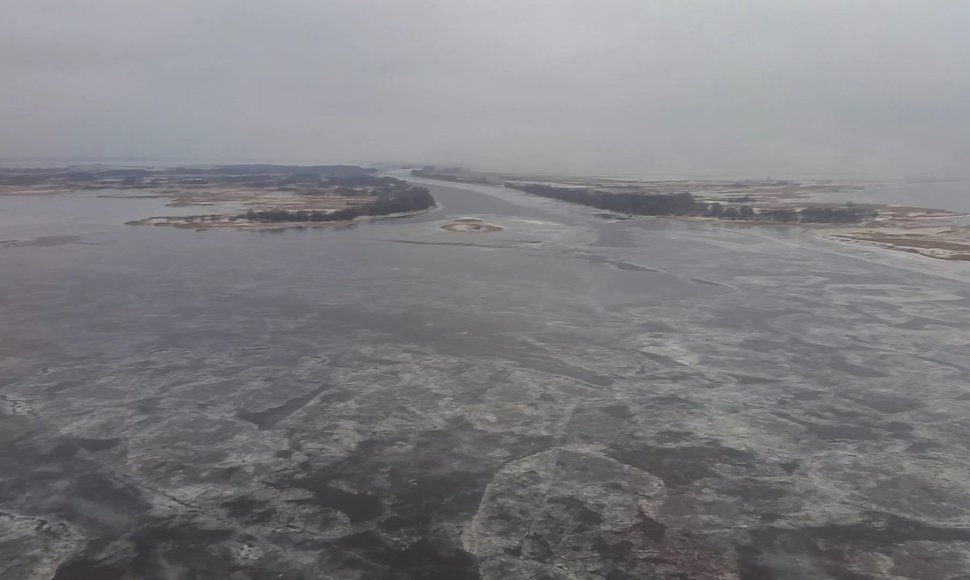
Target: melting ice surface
571,397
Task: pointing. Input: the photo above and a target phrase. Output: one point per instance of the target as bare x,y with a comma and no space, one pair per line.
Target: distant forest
252,175
388,202
686,204
431,172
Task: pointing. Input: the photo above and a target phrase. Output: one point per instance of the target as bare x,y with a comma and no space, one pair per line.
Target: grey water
571,397
952,195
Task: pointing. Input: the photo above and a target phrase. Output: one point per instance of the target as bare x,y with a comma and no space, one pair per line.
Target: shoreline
947,242
262,197
226,223
897,228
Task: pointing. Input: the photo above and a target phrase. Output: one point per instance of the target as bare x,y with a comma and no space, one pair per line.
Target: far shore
259,197
208,222
927,232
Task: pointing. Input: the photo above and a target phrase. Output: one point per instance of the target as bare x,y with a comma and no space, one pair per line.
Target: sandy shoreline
935,236
227,222
471,225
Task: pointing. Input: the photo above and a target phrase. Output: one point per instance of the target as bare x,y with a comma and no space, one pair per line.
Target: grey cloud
869,87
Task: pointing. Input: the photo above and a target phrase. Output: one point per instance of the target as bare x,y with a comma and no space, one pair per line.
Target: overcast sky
648,87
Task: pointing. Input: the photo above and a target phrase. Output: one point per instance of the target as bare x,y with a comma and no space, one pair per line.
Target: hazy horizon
872,89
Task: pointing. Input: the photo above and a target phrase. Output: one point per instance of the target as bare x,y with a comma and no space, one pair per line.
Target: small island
257,196
471,225
393,198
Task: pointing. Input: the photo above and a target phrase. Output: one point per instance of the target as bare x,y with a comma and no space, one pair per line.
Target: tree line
400,201
685,204
631,203
847,214
431,172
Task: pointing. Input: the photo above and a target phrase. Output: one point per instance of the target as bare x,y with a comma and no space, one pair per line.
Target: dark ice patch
87,570
97,444
680,466
427,558
268,418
